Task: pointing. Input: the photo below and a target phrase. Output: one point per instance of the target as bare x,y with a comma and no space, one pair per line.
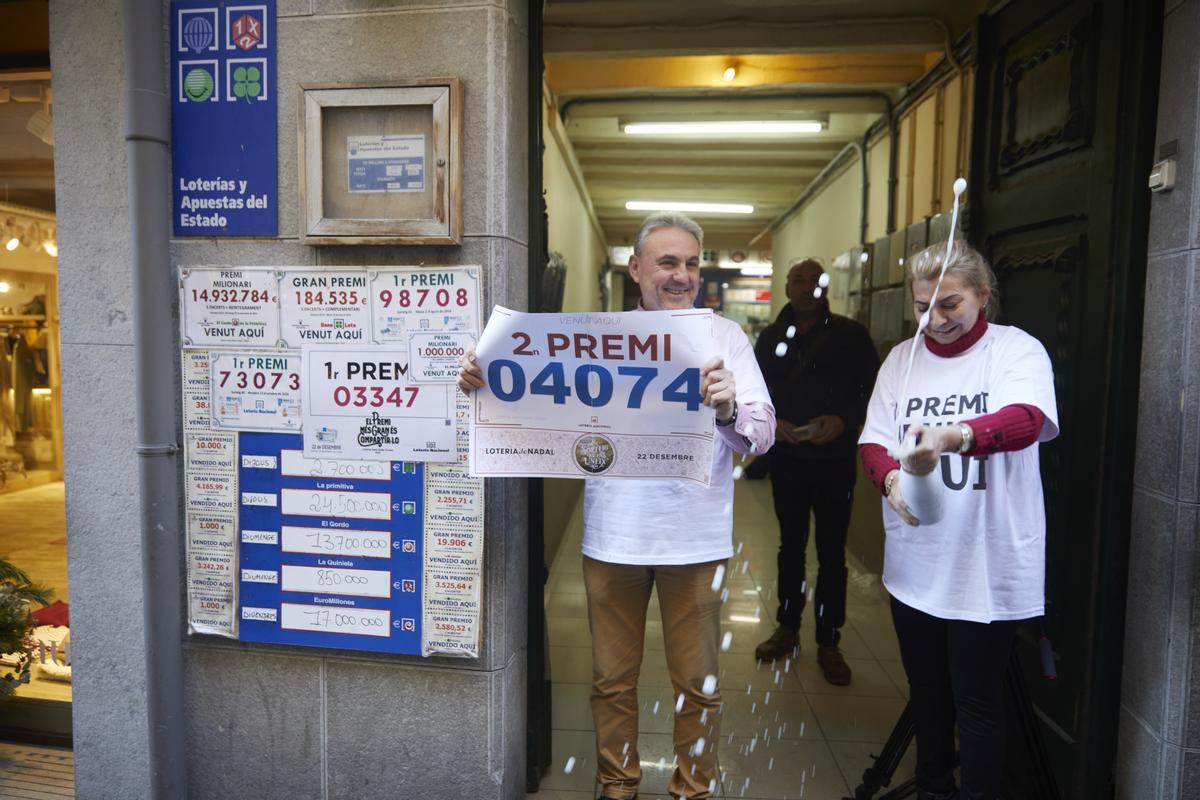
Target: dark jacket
829,370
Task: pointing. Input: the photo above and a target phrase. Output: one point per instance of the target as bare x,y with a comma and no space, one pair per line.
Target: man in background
820,368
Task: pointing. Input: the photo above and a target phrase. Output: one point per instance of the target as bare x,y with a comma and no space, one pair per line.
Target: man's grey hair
666,220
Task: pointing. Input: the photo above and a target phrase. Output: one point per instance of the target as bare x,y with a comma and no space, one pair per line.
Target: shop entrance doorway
32,506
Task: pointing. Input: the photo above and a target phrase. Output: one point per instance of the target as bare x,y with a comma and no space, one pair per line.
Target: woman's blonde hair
965,261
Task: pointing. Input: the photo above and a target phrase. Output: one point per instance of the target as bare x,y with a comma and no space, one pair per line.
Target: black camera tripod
1028,774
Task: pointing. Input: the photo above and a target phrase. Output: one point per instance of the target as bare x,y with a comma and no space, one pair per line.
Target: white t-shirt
679,521
986,559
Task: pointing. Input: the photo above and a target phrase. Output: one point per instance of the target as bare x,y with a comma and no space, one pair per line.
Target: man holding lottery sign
673,533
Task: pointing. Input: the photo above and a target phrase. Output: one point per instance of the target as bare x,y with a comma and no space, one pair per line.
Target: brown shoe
833,665
784,642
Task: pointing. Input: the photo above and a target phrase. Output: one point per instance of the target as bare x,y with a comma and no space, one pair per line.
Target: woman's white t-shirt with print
986,559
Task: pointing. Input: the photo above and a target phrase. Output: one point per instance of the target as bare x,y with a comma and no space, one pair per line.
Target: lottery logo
246,31
409,546
595,454
198,84
408,624
408,586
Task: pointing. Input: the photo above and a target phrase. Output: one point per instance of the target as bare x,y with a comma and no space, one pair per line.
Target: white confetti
570,765
704,716
662,763
699,748
823,281
767,699
656,707
781,349
712,786
625,749
718,577
791,331
737,472
801,727
739,550
724,595
787,665
726,641
709,687
679,703
817,292
744,565
771,763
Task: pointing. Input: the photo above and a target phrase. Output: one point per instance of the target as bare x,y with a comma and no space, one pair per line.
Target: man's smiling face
668,269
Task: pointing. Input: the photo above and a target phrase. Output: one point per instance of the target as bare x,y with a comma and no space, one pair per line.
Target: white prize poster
320,417
613,395
255,391
425,299
323,306
228,307
361,403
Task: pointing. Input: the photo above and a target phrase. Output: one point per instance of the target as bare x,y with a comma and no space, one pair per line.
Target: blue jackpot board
316,575
223,137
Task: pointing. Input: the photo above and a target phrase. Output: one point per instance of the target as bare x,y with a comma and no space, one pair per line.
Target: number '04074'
506,379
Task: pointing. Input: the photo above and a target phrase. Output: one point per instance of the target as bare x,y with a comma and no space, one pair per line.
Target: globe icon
198,85
198,33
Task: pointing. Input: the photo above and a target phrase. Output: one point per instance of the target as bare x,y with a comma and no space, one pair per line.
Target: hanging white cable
922,493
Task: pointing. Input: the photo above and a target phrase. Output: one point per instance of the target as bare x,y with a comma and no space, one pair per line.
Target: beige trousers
618,595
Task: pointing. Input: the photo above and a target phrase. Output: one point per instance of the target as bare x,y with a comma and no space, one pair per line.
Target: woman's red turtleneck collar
961,344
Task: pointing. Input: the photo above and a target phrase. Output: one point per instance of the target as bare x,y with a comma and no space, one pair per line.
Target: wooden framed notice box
381,163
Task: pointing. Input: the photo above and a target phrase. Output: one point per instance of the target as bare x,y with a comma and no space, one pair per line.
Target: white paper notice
423,300
256,391
363,404
390,163
324,307
593,395
434,357
231,306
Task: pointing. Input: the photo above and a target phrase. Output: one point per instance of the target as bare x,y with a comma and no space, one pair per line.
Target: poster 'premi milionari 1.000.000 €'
315,515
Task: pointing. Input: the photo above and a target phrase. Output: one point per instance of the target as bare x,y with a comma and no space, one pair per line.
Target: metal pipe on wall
147,135
817,183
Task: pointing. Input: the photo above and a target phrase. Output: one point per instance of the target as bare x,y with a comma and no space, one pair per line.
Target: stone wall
271,721
1159,741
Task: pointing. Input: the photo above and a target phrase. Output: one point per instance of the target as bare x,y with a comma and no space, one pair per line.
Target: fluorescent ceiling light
695,208
722,128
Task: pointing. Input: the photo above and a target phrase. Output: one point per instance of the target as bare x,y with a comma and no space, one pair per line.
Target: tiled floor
821,736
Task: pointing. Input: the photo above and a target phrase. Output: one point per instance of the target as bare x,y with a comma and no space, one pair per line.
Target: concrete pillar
271,721
1159,742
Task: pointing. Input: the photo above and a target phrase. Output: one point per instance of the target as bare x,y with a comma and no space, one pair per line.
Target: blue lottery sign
223,119
330,549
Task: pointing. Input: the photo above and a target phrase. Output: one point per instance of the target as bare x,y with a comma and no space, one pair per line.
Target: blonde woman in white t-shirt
980,398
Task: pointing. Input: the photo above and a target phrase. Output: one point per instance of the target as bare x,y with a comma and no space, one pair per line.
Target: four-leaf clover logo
247,83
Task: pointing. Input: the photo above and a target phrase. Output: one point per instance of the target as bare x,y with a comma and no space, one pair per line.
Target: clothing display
24,371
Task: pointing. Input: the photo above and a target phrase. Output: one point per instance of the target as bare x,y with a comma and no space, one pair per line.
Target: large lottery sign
593,395
363,403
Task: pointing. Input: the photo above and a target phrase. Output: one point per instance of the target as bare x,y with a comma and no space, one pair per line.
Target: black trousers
826,488
956,674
